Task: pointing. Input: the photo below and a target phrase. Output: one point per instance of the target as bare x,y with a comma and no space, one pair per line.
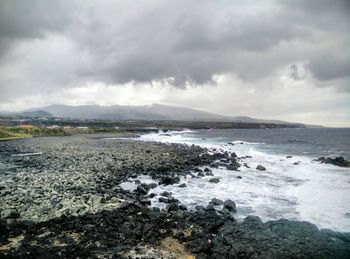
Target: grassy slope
7,133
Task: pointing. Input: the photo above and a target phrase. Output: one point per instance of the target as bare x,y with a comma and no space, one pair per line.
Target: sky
287,60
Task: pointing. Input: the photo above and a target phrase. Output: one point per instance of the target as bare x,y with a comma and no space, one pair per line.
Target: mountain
32,113
147,112
121,112
35,113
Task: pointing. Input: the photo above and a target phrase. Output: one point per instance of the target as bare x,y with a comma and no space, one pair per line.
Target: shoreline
71,205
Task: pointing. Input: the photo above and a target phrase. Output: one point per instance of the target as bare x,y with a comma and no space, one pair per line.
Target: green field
8,133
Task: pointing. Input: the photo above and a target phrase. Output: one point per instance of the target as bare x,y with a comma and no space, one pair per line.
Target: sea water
295,188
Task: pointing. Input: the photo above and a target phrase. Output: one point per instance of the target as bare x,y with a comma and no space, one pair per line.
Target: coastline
69,203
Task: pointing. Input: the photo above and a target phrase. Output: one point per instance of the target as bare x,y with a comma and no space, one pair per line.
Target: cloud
53,46
185,41
23,20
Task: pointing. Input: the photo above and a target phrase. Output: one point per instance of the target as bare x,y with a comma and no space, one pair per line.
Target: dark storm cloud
23,20
189,42
178,41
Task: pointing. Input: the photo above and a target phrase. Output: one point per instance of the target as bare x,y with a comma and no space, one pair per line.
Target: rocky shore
60,197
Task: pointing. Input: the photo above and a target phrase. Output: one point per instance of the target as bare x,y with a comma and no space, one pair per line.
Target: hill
154,112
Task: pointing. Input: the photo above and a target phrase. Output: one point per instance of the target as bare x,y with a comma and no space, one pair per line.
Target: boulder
163,199
207,170
199,207
210,206
230,205
214,165
261,168
216,201
214,180
152,195
166,194
172,207
183,185
168,180
246,165
232,167
152,185
182,207
144,201
338,161
141,190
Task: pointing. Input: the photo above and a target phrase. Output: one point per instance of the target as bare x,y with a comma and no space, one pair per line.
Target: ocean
295,188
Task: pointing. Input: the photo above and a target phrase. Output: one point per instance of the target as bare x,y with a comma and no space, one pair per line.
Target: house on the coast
25,126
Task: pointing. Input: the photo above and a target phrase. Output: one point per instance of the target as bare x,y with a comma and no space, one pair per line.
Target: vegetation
8,133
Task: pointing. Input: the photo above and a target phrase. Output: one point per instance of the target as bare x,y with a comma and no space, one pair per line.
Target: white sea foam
309,191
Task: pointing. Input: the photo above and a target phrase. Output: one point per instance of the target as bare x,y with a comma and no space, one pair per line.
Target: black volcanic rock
261,168
168,180
338,161
214,180
230,205
89,170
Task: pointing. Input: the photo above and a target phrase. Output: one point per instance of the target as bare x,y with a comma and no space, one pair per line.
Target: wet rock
230,205
233,155
182,207
232,167
200,175
141,189
338,161
216,201
296,163
261,168
145,201
209,207
239,177
209,173
163,199
152,185
172,207
152,195
199,207
207,170
289,156
214,165
214,180
254,239
183,185
166,194
168,180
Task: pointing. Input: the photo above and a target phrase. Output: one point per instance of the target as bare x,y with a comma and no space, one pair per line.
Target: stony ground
60,198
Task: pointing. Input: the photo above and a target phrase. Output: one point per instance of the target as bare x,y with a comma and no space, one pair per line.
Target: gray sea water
296,188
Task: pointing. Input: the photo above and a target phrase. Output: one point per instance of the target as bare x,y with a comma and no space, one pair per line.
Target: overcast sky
286,60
